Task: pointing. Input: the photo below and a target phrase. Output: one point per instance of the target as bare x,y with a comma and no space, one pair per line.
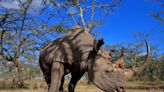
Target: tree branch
22,39
92,15
2,34
81,15
73,18
6,55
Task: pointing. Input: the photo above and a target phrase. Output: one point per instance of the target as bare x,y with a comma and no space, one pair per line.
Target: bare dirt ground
40,86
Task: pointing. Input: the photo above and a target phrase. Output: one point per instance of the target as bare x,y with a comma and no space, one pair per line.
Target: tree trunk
19,74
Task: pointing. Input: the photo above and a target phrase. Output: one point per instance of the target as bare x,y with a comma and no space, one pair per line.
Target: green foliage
153,72
59,28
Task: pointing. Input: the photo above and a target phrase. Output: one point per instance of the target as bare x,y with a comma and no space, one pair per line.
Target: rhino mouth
116,89
113,88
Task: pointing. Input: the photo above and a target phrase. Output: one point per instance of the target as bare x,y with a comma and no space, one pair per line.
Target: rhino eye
108,71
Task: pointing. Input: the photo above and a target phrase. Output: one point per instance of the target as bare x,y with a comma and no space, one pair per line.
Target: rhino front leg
74,80
61,86
57,71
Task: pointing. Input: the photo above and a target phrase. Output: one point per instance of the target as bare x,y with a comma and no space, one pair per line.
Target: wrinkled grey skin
77,53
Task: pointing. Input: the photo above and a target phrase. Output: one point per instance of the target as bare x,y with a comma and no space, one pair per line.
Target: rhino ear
98,44
96,47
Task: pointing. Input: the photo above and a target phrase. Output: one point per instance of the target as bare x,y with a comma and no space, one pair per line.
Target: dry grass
40,86
91,90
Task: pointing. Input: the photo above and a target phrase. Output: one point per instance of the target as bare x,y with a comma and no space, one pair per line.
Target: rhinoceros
78,52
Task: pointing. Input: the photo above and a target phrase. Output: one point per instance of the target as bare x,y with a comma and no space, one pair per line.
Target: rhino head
107,75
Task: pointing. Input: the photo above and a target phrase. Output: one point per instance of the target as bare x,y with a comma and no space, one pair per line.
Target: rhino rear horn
120,61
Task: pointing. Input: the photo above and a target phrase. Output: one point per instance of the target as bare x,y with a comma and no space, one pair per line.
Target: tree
21,36
84,13
12,26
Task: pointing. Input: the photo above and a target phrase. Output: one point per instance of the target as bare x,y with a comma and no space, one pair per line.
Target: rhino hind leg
57,72
74,80
48,79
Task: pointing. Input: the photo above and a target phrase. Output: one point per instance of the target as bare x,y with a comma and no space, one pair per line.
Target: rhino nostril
122,89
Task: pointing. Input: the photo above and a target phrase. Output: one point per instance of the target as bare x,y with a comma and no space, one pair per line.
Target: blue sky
132,16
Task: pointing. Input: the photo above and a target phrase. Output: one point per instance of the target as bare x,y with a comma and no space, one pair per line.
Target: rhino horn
141,68
120,61
129,73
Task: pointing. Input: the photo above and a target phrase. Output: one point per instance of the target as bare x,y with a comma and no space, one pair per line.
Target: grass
40,86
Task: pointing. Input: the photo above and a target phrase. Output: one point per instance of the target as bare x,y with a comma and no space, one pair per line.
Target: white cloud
14,4
10,4
36,4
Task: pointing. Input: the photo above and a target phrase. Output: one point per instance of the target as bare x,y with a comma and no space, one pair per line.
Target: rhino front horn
129,73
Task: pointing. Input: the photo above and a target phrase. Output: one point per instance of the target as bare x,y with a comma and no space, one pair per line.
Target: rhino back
74,47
